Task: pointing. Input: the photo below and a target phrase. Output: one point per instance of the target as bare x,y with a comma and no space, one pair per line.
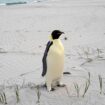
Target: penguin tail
68,73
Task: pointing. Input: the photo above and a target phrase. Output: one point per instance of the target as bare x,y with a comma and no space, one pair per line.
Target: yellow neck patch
50,37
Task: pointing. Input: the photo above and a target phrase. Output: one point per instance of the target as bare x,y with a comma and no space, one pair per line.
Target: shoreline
55,3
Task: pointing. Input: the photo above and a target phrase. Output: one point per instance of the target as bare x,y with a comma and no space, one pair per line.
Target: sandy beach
24,32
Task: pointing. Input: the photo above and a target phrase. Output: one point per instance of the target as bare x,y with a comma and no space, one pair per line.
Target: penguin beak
62,33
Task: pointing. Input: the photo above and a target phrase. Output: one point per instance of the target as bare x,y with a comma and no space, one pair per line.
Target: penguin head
56,34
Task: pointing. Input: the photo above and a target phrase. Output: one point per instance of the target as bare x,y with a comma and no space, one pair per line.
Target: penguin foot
52,89
61,85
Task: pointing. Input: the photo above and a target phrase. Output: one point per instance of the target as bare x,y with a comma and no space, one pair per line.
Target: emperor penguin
53,61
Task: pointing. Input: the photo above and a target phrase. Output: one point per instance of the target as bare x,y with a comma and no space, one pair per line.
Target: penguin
53,61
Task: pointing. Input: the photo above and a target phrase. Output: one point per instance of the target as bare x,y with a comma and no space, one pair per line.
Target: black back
45,57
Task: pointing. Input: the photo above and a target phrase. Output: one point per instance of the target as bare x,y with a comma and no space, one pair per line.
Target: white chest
55,61
57,49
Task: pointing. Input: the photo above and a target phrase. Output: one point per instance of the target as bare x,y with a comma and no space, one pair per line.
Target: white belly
55,62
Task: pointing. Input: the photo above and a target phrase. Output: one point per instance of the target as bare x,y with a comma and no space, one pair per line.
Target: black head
56,34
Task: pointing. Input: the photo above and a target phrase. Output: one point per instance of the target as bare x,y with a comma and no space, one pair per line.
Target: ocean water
12,2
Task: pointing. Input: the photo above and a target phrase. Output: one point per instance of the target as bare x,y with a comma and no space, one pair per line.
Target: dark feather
45,57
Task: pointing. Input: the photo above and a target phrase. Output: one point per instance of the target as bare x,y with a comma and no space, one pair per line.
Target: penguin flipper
44,58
